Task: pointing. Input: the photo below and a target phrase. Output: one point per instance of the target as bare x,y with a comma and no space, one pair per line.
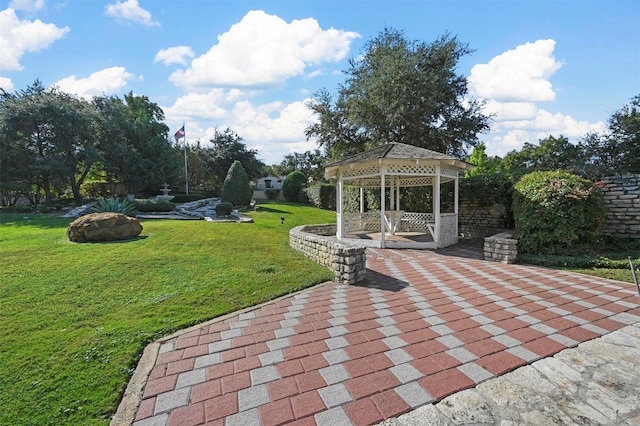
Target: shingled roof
399,152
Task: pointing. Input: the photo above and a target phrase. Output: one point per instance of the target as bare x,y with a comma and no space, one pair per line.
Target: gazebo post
361,196
455,199
398,193
340,208
436,204
382,208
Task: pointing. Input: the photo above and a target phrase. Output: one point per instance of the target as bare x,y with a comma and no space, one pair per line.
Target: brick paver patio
421,327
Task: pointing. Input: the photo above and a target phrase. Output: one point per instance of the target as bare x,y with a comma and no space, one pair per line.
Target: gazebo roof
396,153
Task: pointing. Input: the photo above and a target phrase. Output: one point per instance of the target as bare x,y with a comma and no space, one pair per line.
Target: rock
103,227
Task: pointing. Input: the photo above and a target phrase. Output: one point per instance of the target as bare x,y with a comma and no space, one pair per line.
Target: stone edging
501,248
347,261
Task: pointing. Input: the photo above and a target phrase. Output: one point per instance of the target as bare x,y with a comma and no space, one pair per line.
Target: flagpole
186,175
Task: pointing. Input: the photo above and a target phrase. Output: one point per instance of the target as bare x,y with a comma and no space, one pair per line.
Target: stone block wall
478,221
501,248
318,242
622,202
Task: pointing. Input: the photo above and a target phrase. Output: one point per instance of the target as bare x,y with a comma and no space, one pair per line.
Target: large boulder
103,227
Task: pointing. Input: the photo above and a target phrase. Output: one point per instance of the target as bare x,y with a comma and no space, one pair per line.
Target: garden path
423,326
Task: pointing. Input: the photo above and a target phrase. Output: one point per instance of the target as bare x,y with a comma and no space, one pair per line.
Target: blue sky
543,67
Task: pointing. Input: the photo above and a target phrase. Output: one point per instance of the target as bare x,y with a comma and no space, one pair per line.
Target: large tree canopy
617,151
48,141
134,143
400,91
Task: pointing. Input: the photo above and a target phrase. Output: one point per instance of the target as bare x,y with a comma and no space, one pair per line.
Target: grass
74,318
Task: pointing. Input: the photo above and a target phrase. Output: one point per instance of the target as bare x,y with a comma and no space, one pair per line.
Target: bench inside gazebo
391,167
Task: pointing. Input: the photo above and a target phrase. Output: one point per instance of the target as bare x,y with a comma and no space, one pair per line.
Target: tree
293,185
550,154
617,151
228,148
310,163
134,143
483,163
236,189
51,135
400,91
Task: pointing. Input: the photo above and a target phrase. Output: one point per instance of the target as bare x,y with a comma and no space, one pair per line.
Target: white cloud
18,37
27,5
104,82
520,74
263,50
512,84
174,55
130,11
6,84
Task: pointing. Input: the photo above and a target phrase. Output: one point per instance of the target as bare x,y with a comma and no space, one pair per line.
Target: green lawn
74,318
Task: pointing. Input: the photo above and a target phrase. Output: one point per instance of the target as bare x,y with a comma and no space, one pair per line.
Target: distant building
269,182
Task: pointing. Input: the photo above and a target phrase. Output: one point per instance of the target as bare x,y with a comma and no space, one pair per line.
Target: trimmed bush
186,198
154,205
224,208
272,194
293,186
556,211
236,188
323,195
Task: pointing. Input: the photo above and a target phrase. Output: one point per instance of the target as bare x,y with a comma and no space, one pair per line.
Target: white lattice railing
416,222
367,221
448,229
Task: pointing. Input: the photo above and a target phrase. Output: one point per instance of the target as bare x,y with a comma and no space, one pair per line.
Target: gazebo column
361,196
382,208
436,204
340,208
455,201
398,193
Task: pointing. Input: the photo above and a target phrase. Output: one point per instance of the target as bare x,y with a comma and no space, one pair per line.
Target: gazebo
391,167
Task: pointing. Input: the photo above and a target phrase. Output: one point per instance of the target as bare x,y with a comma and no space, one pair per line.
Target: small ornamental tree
293,185
236,188
556,211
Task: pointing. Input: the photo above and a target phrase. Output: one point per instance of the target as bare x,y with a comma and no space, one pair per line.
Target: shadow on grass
270,210
130,240
44,221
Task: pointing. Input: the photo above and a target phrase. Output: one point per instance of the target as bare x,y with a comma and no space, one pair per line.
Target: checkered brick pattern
421,327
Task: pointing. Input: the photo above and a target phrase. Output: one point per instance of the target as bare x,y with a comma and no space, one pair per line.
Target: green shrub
323,195
293,186
236,188
488,189
556,211
223,209
187,198
114,205
272,194
154,205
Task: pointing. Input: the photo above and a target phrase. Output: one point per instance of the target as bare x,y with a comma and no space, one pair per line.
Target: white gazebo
394,166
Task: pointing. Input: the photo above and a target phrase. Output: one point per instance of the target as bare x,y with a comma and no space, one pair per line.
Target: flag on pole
180,133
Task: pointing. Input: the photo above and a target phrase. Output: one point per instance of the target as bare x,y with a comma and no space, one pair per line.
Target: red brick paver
422,327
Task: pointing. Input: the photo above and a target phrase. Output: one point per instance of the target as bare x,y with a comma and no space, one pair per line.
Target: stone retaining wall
622,201
478,221
318,242
501,248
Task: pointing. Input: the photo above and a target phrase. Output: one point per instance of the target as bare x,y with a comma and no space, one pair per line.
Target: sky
543,67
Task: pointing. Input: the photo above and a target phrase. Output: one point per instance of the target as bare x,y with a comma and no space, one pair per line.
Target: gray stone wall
622,202
501,248
318,242
478,221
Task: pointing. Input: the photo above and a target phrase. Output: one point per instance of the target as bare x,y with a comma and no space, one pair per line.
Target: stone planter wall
501,248
318,242
622,201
